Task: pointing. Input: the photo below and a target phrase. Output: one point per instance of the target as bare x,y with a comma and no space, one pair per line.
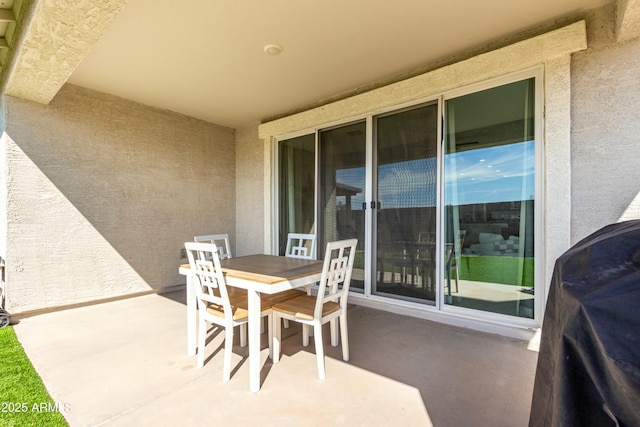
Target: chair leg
202,335
305,335
228,347
345,337
334,332
243,335
277,334
317,337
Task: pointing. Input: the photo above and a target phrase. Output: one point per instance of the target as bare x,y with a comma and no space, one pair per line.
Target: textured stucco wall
103,193
605,137
249,190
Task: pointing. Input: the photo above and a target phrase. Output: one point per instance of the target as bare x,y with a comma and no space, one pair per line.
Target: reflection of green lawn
497,269
358,261
491,269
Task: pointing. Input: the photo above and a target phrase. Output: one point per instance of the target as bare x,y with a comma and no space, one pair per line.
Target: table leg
254,339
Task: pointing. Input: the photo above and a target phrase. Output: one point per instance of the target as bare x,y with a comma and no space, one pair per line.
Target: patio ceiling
205,58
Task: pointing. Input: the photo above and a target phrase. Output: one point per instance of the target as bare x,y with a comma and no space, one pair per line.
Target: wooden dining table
258,274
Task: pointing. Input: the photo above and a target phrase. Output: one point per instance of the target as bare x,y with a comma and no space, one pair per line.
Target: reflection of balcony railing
407,268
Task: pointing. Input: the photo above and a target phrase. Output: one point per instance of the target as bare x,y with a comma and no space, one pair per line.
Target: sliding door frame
537,72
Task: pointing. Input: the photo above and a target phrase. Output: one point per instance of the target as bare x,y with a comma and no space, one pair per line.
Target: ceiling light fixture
273,49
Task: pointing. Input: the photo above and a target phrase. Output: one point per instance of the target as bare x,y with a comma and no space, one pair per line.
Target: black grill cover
588,371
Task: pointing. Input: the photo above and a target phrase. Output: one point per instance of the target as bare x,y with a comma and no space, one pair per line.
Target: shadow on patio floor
125,363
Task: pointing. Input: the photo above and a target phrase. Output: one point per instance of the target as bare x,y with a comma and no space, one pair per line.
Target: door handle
373,205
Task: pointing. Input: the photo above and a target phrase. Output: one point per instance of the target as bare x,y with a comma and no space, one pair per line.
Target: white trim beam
50,52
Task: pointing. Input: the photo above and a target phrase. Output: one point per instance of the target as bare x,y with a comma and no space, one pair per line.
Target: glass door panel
405,220
296,181
342,190
489,170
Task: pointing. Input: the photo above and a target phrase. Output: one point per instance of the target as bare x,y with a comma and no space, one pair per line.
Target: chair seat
239,307
274,299
218,311
231,291
303,307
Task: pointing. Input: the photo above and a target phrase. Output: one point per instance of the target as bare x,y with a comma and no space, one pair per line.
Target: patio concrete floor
124,363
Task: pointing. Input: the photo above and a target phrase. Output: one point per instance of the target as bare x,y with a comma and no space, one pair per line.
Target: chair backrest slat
210,285
221,241
336,274
301,246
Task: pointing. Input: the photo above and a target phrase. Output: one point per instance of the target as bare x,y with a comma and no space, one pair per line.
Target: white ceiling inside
205,58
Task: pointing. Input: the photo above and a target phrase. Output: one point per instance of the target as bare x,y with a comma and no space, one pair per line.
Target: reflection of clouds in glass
488,175
407,184
400,184
495,174
353,177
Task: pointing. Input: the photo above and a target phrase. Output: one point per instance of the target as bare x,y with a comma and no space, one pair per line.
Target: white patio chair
329,304
301,246
224,252
215,305
221,240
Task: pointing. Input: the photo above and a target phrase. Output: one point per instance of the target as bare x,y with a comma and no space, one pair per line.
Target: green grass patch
497,269
23,398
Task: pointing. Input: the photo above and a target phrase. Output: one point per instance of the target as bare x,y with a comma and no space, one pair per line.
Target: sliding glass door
296,187
342,181
489,188
440,195
406,147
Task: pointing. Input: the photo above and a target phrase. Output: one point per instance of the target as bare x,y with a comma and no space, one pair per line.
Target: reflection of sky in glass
502,173
353,177
409,184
